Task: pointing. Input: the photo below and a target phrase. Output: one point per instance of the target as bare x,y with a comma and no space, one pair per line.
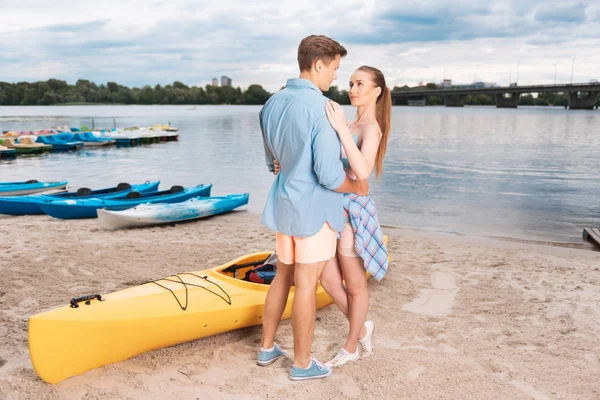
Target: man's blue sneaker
266,357
314,371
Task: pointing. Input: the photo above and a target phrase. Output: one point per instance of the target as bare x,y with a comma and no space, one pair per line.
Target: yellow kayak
91,333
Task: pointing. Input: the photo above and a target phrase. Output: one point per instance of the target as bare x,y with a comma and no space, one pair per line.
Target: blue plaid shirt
368,236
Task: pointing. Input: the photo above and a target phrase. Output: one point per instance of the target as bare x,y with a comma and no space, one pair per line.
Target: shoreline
583,245
456,316
470,236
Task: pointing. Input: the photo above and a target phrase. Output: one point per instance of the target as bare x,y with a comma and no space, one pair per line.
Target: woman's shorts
346,241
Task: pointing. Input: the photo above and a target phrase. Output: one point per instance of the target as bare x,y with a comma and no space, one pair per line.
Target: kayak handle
76,300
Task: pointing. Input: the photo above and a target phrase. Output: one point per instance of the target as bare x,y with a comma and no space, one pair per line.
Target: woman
364,144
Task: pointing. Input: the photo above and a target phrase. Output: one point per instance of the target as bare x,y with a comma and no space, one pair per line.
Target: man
304,205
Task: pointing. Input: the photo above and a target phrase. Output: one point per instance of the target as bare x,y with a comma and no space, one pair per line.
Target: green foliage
255,94
339,96
479,100
55,91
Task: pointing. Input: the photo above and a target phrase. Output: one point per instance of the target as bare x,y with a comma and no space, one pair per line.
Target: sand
456,317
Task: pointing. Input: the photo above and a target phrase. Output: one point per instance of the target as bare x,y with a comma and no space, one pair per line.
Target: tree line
54,91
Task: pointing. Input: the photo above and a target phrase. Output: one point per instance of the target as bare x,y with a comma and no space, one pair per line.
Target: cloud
142,42
570,13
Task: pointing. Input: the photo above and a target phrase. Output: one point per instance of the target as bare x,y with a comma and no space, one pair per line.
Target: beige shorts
313,249
346,242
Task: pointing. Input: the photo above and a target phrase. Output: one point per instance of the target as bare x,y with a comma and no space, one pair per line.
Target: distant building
447,83
225,81
215,82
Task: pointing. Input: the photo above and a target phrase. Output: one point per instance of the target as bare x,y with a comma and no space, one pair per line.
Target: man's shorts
313,249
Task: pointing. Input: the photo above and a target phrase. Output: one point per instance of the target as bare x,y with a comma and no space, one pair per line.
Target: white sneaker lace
340,357
363,344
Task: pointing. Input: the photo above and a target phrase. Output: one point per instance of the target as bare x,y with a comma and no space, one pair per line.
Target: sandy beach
456,317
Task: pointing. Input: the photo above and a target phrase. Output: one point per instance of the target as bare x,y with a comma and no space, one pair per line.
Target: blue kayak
87,208
29,187
29,205
161,213
59,144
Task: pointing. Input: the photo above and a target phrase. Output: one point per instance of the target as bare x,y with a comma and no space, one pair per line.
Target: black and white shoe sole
306,378
269,362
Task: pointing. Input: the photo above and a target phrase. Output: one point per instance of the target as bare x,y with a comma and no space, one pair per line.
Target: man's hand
362,188
276,167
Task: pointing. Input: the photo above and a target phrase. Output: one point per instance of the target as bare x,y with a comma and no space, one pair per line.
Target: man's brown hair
318,47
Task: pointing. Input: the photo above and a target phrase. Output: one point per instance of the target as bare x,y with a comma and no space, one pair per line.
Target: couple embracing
326,226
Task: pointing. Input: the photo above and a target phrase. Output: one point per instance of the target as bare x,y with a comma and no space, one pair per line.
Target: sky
140,42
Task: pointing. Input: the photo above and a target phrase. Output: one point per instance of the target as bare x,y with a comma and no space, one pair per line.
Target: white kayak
161,213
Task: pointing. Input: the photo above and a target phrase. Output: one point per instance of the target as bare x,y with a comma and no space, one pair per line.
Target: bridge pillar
455,100
507,100
583,100
417,101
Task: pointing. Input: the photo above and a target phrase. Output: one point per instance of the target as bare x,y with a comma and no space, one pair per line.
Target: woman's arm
361,160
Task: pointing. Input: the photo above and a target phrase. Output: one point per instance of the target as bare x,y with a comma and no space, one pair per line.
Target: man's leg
304,310
275,303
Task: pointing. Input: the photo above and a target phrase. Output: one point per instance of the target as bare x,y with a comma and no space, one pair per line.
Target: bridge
582,96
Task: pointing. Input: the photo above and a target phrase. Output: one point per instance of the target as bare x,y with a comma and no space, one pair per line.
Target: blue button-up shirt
298,135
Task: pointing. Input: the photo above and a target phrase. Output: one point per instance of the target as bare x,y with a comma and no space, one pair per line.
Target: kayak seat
122,187
261,274
133,195
176,189
33,181
83,192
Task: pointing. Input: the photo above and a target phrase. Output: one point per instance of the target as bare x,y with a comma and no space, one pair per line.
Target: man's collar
303,83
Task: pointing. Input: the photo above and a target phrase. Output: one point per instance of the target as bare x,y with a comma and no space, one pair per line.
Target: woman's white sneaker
366,343
343,357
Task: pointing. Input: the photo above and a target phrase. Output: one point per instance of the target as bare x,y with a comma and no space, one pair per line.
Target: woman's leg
331,280
358,298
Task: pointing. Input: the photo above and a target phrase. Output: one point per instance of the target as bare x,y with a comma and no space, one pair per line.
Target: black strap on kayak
173,293
185,285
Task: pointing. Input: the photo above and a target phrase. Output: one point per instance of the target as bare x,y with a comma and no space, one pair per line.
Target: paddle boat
121,138
5,152
156,214
59,144
87,138
30,187
29,205
9,134
171,134
25,145
87,208
147,135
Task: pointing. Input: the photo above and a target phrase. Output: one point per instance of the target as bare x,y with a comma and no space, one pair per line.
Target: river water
527,173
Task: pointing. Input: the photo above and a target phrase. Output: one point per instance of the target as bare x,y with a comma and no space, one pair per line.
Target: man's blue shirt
298,135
